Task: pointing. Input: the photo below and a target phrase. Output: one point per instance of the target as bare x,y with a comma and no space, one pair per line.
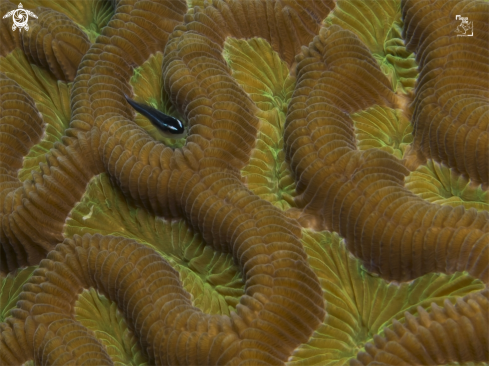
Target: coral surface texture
327,203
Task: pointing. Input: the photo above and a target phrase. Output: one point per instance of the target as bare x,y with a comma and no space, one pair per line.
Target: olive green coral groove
360,305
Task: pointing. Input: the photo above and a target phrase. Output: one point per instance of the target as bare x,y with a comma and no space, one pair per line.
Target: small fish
169,125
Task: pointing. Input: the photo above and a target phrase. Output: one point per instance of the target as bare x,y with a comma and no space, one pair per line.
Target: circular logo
20,17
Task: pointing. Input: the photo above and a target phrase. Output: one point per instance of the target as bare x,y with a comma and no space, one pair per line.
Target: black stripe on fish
161,121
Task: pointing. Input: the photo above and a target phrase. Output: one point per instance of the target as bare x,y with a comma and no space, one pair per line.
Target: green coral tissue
244,182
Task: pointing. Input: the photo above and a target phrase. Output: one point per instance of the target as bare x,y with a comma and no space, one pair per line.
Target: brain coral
327,206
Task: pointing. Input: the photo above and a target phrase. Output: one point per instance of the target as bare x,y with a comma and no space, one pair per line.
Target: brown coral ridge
361,194
33,211
451,107
56,43
20,128
452,333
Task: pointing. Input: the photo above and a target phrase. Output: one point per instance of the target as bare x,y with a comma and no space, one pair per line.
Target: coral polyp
327,205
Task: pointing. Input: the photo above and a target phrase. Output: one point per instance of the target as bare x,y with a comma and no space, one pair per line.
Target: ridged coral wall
328,205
